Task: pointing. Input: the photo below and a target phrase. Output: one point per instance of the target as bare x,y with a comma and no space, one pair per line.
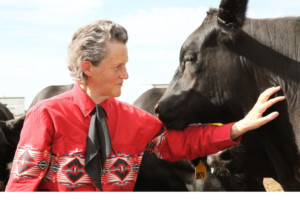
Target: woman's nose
124,74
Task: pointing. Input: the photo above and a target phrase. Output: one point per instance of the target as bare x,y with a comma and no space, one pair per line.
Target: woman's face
107,78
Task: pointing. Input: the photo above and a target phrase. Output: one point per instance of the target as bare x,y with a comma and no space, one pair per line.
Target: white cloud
63,4
25,74
34,38
47,12
273,8
162,26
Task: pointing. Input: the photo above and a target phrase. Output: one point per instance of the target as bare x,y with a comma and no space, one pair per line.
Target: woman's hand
254,118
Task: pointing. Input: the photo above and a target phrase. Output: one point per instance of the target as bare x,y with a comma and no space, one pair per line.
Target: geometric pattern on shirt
75,170
154,145
68,170
30,162
121,169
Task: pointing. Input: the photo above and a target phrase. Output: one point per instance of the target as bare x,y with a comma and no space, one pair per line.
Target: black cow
5,114
10,129
50,91
148,100
224,65
156,174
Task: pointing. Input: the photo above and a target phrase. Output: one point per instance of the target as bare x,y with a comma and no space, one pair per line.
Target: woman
52,151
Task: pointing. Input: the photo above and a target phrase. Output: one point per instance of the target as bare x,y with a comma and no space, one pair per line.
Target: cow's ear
232,13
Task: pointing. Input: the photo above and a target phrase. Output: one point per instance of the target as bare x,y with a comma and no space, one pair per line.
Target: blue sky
34,35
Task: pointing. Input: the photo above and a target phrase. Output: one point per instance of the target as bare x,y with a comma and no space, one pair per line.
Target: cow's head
210,78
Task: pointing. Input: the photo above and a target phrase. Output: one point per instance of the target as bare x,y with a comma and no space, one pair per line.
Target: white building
145,87
16,105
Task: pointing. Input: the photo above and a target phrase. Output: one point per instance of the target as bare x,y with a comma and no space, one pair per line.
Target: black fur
9,136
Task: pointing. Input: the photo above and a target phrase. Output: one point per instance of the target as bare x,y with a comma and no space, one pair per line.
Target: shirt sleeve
192,142
32,155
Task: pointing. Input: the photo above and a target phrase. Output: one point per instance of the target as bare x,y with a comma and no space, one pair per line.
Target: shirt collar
85,103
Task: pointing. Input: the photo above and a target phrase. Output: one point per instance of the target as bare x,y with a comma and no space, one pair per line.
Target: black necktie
98,142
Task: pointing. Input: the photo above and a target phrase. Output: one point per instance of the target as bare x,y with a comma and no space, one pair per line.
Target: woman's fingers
254,119
268,118
267,94
271,102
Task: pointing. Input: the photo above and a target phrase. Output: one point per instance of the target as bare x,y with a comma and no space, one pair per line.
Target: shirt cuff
227,141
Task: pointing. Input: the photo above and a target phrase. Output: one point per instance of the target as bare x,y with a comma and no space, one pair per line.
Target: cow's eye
188,60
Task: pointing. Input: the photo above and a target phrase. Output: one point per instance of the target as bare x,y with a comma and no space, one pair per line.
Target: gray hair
89,44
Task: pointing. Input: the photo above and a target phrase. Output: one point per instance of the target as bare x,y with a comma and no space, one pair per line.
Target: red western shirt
51,152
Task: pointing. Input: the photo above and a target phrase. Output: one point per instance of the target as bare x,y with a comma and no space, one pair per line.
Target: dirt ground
271,185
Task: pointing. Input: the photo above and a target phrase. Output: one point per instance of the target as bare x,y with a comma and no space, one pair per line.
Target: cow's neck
279,34
271,50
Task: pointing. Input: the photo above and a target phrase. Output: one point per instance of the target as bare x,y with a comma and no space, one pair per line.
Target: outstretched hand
254,118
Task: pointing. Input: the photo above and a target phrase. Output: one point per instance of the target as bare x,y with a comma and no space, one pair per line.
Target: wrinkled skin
224,65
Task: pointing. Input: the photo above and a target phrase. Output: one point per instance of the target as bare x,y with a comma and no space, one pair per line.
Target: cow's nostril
156,110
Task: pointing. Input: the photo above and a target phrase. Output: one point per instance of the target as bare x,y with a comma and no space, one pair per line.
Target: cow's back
5,113
50,91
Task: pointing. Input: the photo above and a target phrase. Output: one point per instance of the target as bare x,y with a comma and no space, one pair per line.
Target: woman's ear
86,67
